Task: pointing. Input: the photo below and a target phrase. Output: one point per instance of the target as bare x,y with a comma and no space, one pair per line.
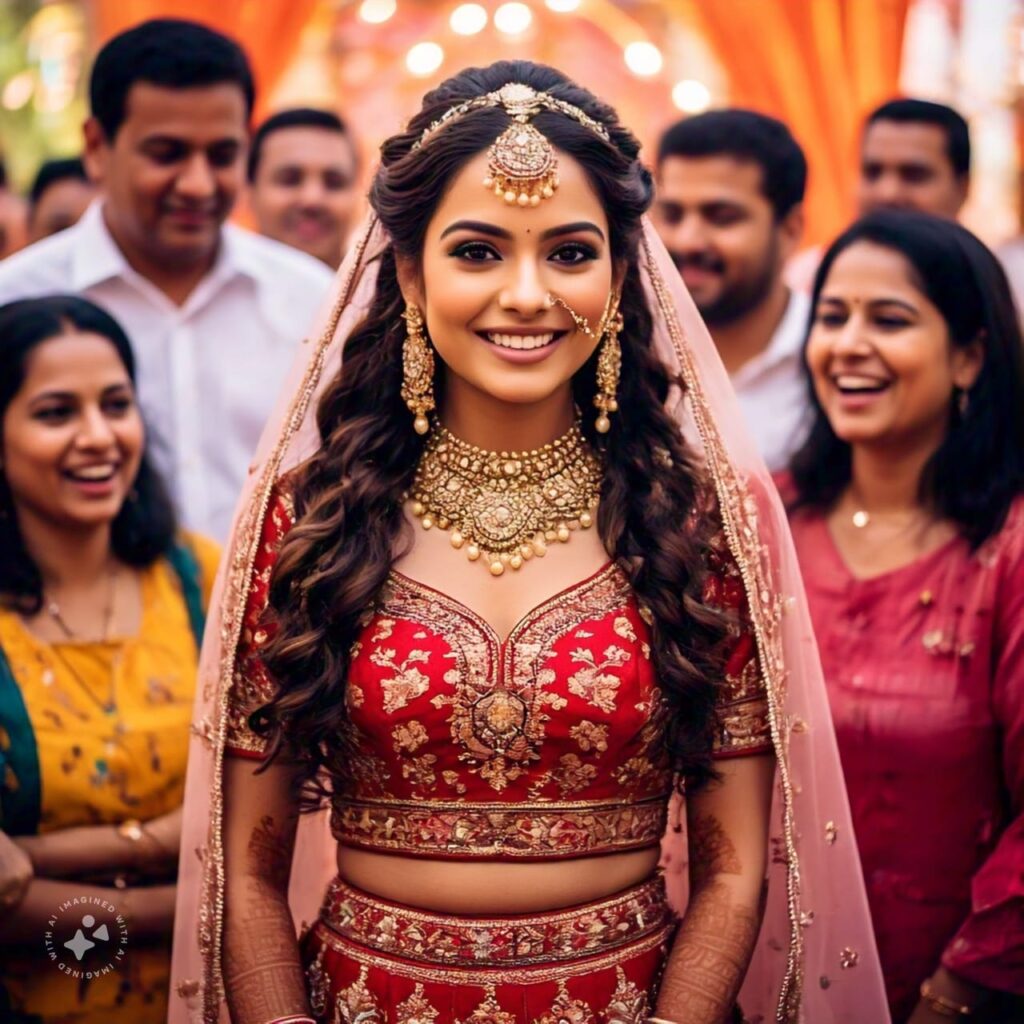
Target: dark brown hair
350,523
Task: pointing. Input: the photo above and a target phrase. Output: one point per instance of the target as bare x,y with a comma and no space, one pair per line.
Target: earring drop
417,370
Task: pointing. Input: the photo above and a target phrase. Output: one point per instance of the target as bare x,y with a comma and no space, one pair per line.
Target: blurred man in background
302,181
59,196
13,217
729,208
915,155
214,313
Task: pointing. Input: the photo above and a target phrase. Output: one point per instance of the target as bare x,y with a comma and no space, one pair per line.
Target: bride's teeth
518,342
522,341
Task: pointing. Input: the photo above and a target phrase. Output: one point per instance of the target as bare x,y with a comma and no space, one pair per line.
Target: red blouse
925,673
540,745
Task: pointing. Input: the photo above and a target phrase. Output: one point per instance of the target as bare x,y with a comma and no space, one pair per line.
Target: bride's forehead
467,199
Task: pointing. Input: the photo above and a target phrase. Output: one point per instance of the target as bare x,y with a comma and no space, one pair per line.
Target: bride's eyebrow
478,226
572,229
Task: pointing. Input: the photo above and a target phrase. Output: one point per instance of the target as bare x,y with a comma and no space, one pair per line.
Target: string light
424,59
643,59
376,12
513,19
691,96
468,19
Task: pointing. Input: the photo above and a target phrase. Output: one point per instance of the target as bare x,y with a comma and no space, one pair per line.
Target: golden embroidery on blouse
416,1009
356,1004
510,831
566,1010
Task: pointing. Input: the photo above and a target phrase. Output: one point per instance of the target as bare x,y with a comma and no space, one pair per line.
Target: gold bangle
657,1020
941,1005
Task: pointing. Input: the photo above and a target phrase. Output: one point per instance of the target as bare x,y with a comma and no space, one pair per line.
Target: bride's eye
573,254
475,252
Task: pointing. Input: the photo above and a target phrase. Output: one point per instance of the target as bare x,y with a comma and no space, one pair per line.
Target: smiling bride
510,593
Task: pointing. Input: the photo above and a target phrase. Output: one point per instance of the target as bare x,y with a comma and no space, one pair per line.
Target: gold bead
586,520
472,552
497,568
457,540
488,182
499,191
504,558
526,550
550,535
427,521
563,533
443,522
524,199
516,561
603,424
547,192
418,509
535,200
421,424
540,549
510,197
613,405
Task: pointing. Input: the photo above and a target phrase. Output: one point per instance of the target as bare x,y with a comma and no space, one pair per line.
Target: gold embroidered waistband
499,831
557,936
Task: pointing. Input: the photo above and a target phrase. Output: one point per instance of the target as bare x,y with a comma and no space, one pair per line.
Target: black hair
978,469
145,527
748,136
911,111
52,171
297,117
167,52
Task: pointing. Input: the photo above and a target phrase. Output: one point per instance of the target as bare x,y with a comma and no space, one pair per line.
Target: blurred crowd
144,339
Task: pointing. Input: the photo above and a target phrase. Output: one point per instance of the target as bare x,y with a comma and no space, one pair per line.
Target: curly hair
350,525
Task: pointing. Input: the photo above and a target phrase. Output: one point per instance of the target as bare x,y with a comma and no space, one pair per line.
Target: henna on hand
263,974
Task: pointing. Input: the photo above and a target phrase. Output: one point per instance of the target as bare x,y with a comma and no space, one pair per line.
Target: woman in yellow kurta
101,610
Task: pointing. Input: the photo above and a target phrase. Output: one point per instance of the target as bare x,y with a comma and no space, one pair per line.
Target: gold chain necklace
506,507
54,611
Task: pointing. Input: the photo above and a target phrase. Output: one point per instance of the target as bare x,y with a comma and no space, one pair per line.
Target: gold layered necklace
504,508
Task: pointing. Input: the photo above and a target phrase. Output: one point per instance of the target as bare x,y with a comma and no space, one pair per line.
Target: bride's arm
728,841
263,975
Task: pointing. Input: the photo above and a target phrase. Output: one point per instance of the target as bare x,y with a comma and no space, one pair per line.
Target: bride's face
485,276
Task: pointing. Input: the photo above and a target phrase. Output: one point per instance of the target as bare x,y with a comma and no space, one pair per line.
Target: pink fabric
925,672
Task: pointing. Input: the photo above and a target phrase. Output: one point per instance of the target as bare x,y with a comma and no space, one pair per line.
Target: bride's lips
521,346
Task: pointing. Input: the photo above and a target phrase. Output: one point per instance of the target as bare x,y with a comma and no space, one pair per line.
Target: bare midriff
490,887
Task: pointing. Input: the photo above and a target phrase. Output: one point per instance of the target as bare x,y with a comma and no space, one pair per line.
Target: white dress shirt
209,371
772,390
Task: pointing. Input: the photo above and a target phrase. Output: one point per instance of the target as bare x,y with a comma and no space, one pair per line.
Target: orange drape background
818,65
268,29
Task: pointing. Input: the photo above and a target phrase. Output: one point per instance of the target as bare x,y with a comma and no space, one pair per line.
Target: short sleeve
251,685
742,707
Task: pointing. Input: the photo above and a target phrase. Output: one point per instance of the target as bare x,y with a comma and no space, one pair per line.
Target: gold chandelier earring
417,370
609,366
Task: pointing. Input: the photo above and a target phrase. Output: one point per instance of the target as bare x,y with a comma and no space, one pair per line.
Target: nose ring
582,323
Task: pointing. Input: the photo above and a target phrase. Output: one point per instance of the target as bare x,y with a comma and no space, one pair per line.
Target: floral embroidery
416,1009
489,1012
566,1010
408,684
570,776
409,737
356,1005
590,736
628,1004
594,683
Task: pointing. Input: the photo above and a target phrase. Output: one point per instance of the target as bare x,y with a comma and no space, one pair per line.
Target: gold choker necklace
506,507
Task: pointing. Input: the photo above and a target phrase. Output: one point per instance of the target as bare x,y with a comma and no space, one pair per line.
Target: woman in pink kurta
907,515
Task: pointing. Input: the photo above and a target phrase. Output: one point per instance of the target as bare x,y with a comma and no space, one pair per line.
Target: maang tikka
522,167
417,370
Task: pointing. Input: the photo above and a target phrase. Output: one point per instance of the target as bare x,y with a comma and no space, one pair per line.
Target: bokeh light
424,59
691,96
513,19
562,6
643,59
376,12
468,19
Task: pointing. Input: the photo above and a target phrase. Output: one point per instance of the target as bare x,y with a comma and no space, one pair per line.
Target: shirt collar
97,257
786,343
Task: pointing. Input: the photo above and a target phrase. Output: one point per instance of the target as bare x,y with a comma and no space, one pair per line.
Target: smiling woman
908,515
101,609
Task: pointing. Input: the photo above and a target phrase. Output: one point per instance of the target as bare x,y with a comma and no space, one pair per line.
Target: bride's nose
524,292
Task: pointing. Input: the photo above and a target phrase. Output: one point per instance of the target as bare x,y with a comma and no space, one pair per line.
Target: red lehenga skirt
375,962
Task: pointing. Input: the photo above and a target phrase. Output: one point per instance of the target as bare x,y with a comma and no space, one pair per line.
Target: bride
508,593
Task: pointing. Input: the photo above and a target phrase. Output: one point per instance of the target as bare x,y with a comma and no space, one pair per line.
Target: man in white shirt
729,207
215,313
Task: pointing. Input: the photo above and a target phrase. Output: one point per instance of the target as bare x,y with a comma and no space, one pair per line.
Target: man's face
721,231
906,165
304,193
172,173
60,206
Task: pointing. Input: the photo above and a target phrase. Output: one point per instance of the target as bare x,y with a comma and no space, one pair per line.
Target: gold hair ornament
522,167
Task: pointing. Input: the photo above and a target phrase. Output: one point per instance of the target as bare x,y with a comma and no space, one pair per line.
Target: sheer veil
816,960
